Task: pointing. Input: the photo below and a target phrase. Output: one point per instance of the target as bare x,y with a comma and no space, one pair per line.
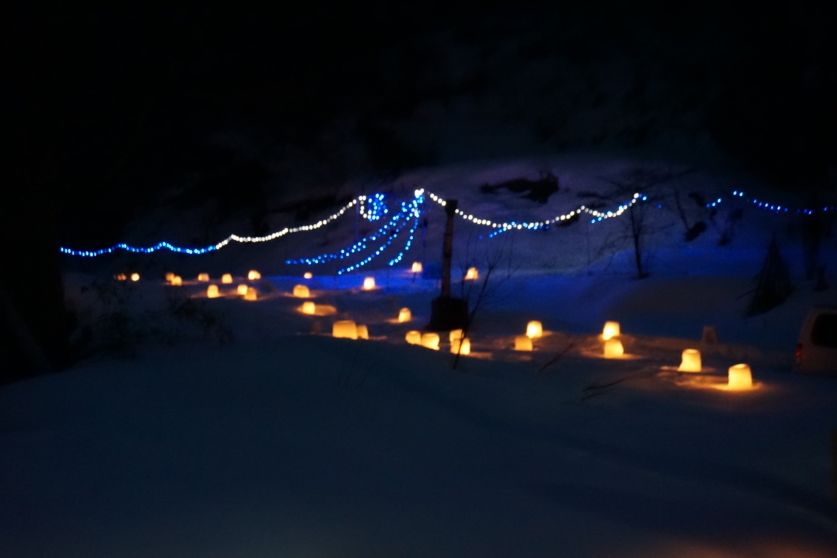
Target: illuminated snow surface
254,433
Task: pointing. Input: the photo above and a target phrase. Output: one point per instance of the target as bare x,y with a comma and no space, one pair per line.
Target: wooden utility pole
448,312
447,246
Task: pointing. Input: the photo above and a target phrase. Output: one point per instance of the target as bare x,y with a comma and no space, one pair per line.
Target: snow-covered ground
232,428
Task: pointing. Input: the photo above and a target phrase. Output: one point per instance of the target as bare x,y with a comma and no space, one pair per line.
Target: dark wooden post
447,246
448,312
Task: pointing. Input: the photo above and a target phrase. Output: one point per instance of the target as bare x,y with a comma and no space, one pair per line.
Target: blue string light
232,238
355,248
137,250
389,232
416,209
373,208
406,210
775,208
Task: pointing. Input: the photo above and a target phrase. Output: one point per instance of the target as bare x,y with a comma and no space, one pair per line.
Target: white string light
213,247
373,208
538,225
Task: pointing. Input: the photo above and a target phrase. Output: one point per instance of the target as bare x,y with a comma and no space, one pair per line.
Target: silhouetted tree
773,284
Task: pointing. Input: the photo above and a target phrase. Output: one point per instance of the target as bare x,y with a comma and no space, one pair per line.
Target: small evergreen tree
773,284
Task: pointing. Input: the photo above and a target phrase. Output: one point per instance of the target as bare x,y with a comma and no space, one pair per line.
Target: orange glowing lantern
252,294
203,277
417,267
430,340
169,277
534,329
121,277
740,377
455,335
135,277
362,331
610,330
212,291
177,281
472,274
308,307
613,348
404,315
690,361
344,329
253,275
307,275
227,279
522,343
242,290
301,291
413,337
461,346
368,283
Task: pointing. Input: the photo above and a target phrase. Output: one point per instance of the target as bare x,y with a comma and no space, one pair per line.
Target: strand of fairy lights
213,247
776,208
538,225
410,236
390,231
355,248
374,208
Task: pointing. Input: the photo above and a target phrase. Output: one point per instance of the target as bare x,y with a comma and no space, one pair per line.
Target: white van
816,350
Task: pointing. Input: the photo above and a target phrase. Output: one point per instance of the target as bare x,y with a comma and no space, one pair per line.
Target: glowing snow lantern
613,348
472,274
522,343
430,340
690,361
121,277
362,331
212,291
252,294
344,329
135,277
417,267
404,315
253,275
740,377
368,283
308,307
242,290
301,291
204,277
227,279
307,275
413,337
169,277
455,335
177,281
610,330
461,346
534,329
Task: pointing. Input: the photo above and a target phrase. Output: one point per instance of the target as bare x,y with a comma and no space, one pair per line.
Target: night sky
120,110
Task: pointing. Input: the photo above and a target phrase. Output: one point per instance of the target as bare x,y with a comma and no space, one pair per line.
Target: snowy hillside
227,427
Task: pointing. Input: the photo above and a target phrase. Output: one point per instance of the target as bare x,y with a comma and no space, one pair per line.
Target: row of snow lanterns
459,344
172,279
133,277
341,329
245,291
739,376
471,274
